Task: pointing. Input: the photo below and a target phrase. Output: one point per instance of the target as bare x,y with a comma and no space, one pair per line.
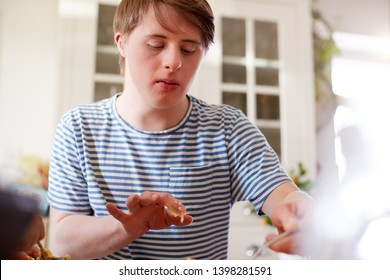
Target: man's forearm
86,237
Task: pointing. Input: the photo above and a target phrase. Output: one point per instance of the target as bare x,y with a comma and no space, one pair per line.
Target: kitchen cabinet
247,233
261,63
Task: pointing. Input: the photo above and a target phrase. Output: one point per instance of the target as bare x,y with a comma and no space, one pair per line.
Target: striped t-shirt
214,157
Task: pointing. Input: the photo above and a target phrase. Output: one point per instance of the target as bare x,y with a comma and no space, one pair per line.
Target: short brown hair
197,12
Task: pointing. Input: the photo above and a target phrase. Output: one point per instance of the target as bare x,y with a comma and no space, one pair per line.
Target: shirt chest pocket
193,186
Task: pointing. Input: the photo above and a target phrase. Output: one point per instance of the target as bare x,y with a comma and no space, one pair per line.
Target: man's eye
188,50
156,46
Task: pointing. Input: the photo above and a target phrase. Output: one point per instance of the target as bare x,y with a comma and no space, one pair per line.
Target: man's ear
120,44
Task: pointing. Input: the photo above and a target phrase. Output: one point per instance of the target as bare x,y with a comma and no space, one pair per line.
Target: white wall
28,77
368,17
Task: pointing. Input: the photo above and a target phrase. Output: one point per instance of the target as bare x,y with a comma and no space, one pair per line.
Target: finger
290,223
34,252
284,218
286,245
179,221
149,198
116,213
133,203
39,228
20,255
174,207
270,236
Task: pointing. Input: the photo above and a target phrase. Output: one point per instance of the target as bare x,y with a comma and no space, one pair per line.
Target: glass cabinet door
261,63
250,73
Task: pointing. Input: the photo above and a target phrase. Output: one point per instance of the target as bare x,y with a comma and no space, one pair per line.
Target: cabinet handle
251,250
247,211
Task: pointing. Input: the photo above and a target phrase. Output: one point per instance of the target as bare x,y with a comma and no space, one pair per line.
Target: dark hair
197,12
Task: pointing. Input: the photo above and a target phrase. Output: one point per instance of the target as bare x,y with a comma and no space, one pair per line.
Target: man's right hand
150,211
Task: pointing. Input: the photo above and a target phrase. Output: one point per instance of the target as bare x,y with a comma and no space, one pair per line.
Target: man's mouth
168,84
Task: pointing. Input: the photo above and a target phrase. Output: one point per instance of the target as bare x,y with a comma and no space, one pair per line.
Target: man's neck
150,119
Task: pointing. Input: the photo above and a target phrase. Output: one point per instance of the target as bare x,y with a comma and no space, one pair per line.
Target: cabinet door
261,63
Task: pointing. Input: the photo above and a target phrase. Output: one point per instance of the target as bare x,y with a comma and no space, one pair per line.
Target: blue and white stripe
212,159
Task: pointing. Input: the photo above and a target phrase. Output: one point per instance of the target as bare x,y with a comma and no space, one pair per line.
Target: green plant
298,176
324,49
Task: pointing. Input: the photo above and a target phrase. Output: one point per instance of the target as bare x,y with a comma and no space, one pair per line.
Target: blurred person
152,173
22,226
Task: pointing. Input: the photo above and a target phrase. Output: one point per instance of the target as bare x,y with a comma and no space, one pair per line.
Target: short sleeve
254,166
68,190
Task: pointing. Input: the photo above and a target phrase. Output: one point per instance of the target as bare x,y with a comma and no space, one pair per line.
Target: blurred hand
27,247
34,233
34,252
290,215
150,210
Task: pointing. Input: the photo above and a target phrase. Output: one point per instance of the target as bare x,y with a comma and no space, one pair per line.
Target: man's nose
172,59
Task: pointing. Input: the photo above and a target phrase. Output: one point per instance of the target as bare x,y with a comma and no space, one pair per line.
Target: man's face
161,64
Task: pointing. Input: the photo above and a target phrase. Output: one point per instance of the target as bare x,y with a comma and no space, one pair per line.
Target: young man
152,173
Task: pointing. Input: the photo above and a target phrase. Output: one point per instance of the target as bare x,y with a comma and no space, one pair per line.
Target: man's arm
87,237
